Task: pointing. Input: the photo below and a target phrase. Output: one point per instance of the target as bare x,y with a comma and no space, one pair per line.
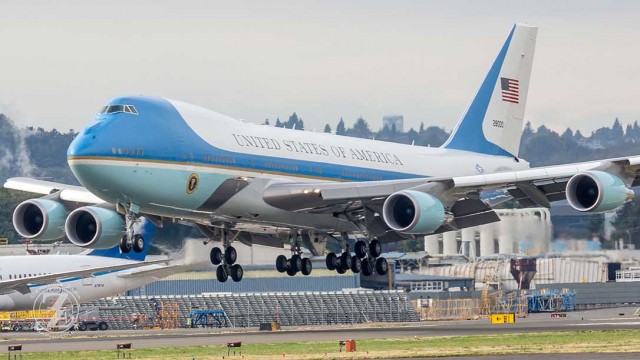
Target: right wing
463,197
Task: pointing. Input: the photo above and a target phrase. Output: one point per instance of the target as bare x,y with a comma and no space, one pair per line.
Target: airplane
28,282
166,160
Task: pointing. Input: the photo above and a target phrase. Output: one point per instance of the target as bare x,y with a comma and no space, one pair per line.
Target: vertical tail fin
492,123
147,229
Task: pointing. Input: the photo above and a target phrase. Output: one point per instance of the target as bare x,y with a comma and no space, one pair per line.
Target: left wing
22,285
590,186
69,193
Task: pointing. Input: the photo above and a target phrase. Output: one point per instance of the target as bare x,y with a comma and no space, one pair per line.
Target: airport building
524,231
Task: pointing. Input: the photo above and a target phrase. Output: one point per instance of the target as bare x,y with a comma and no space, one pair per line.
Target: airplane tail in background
492,123
147,230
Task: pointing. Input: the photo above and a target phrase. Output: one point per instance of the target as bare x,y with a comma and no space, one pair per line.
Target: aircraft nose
84,142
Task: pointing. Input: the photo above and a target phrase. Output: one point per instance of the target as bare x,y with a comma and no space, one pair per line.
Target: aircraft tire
382,267
221,274
345,260
307,267
124,246
360,249
291,272
341,270
230,255
332,261
281,263
356,264
215,256
296,263
375,249
236,272
366,267
138,243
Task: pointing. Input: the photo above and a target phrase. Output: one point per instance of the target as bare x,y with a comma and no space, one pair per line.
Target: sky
60,61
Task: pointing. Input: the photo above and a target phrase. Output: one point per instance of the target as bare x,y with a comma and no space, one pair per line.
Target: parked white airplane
39,281
170,161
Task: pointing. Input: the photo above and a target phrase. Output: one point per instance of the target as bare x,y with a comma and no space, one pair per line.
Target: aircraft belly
173,192
248,206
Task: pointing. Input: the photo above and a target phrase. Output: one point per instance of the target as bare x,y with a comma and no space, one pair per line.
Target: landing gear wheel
296,263
221,274
215,256
341,270
332,261
291,272
230,255
124,245
356,264
281,263
306,267
360,249
345,260
367,268
138,243
382,267
236,272
375,249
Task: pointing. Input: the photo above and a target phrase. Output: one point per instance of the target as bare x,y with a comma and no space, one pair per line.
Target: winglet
492,123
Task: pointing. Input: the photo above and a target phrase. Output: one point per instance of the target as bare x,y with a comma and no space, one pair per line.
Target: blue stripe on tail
147,231
468,135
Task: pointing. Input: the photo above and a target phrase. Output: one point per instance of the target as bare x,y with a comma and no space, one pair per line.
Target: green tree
340,130
327,128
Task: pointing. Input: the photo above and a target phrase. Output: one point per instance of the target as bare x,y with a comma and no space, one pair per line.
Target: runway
620,318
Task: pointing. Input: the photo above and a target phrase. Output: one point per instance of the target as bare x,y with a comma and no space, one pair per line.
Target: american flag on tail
510,90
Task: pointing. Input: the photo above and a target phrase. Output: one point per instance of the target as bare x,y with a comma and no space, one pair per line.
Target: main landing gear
296,264
130,240
226,262
366,259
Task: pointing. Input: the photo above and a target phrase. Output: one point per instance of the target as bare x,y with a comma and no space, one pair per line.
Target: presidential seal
192,183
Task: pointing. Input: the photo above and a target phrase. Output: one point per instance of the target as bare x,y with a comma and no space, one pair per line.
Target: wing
22,285
466,199
67,192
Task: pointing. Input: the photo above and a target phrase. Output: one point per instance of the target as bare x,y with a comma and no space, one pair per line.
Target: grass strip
531,343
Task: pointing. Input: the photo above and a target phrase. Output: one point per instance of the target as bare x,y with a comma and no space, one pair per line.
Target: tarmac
617,318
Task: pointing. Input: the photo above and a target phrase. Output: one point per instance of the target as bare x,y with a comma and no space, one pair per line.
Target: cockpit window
112,109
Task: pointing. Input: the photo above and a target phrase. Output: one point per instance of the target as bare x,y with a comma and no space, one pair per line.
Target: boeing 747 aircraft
166,160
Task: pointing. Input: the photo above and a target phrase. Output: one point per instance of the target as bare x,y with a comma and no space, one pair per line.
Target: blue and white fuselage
147,157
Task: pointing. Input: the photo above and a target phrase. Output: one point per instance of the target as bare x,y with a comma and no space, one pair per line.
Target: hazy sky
61,60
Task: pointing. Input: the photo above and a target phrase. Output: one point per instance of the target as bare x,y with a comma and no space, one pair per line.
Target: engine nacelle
595,191
413,212
40,219
94,227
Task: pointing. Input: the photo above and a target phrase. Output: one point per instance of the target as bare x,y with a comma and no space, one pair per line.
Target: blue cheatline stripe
101,273
469,135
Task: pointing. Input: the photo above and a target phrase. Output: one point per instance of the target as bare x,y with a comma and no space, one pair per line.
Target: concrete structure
389,121
519,231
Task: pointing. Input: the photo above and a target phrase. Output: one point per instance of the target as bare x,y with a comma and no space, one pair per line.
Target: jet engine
413,212
94,227
596,191
40,219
